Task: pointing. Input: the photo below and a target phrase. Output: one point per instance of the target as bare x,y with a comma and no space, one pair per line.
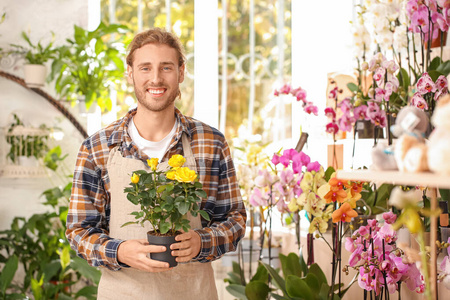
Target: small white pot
35,75
25,161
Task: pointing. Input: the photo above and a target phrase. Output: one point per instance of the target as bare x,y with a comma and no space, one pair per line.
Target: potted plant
36,55
90,63
26,143
165,197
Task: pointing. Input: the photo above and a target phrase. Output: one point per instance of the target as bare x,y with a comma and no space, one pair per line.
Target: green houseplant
35,55
90,64
165,198
25,145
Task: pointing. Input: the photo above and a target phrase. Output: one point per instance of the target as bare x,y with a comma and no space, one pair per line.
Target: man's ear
130,75
181,74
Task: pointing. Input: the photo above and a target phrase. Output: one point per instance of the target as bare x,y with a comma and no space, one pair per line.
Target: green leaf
201,194
313,283
36,287
444,68
198,185
129,223
297,287
205,215
434,74
279,282
261,274
290,264
257,290
316,270
65,257
183,208
434,64
87,291
303,264
8,272
237,290
164,227
403,78
352,87
87,271
161,188
328,173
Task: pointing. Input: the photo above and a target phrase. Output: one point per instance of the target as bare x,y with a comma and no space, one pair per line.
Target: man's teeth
156,92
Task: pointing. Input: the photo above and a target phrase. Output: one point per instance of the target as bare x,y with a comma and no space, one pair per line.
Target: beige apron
186,281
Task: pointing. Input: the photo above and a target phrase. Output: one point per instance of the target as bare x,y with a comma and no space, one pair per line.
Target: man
156,128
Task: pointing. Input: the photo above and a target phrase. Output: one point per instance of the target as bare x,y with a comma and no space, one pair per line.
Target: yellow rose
171,175
176,161
185,175
152,163
135,178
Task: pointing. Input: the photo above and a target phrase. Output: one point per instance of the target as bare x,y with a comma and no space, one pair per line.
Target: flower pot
27,161
445,233
436,42
165,241
366,130
35,75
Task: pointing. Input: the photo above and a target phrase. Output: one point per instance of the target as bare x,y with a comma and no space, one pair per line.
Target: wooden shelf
398,178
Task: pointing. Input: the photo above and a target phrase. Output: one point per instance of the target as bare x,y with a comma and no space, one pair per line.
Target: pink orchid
332,128
390,88
379,118
390,66
425,84
346,105
379,76
286,176
313,166
299,93
264,178
349,245
439,19
360,112
442,83
330,113
387,233
257,198
372,109
310,108
355,257
333,93
346,123
285,89
275,159
389,217
290,153
413,278
419,102
380,94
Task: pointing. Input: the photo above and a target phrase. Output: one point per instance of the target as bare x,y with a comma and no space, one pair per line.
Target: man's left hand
188,246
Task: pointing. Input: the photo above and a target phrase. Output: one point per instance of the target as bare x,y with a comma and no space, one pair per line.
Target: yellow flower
252,154
171,174
293,206
185,175
318,224
176,161
135,178
152,163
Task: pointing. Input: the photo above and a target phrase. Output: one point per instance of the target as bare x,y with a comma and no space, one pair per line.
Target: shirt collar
120,128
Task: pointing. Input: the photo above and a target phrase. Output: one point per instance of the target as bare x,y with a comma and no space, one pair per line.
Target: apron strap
187,150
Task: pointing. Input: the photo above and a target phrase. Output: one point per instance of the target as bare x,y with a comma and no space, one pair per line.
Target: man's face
156,76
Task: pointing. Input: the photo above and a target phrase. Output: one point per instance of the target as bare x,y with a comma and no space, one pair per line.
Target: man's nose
156,77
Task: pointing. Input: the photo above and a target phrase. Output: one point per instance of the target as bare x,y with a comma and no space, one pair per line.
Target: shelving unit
430,180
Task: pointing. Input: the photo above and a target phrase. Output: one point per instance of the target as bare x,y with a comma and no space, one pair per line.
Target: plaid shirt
90,202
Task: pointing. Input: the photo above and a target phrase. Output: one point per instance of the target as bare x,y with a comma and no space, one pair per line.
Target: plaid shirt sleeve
87,224
224,203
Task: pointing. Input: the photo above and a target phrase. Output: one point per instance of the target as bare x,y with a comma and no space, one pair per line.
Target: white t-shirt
152,149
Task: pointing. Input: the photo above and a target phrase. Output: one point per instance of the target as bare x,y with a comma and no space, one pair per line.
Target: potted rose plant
165,198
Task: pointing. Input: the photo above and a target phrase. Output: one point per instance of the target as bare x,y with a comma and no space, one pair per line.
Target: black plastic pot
166,241
366,130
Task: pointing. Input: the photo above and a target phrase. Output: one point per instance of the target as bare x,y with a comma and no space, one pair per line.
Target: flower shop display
382,266
164,199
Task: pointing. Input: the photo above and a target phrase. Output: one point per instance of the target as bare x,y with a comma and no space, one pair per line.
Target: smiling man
155,129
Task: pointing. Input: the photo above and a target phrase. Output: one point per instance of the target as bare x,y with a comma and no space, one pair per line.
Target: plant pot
366,130
445,233
35,75
165,241
359,221
27,161
436,43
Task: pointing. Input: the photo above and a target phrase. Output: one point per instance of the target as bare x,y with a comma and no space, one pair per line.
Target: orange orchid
355,187
336,183
335,194
345,213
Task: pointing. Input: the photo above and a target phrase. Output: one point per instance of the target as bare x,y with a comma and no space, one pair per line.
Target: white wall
21,197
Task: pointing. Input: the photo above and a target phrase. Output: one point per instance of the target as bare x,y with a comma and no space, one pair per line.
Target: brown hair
157,36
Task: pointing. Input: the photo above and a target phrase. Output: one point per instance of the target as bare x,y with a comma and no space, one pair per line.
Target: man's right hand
135,254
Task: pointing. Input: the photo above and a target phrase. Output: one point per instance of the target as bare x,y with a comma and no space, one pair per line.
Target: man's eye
167,68
145,69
